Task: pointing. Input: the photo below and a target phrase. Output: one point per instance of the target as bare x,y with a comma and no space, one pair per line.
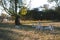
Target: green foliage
42,15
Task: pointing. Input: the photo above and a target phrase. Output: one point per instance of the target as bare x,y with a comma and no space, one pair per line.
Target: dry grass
43,23
26,32
22,34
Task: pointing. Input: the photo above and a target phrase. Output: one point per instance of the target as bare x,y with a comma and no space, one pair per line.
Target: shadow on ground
4,34
11,35
23,27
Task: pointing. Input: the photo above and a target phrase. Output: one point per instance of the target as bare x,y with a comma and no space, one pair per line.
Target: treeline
42,15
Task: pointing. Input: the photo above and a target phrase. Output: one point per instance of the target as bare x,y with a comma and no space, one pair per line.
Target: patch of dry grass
43,23
26,32
23,34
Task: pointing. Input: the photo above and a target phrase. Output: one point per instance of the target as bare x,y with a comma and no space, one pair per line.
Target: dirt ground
22,34
26,32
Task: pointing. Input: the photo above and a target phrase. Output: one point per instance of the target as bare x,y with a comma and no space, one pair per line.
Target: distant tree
13,7
32,14
57,8
56,1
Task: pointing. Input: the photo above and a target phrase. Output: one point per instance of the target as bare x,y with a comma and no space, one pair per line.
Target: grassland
26,32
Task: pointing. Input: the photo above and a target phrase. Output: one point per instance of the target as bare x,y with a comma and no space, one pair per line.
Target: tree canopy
13,7
56,1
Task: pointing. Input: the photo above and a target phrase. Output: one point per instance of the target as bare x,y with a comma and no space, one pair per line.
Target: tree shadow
56,20
29,28
8,25
56,31
57,28
22,27
4,34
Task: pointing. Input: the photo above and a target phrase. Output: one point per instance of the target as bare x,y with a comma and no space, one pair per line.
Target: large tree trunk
17,20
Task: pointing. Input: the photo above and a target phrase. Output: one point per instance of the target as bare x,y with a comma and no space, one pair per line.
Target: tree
13,7
57,8
56,1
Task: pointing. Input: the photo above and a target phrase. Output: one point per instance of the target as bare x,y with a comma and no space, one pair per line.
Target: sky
38,3
35,4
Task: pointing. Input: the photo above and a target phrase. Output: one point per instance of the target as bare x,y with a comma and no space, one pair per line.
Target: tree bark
17,20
